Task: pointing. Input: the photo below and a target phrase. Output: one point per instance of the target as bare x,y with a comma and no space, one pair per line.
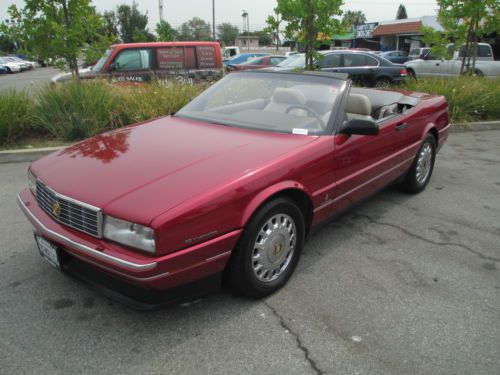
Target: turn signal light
404,73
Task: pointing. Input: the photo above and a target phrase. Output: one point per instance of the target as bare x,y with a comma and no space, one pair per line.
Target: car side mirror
112,67
361,126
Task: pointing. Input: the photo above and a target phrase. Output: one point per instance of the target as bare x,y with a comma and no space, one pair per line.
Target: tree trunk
467,42
474,50
72,61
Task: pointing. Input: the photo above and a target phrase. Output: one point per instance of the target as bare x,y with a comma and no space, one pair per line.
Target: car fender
267,193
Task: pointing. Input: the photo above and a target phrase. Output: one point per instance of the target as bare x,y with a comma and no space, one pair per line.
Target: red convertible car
229,186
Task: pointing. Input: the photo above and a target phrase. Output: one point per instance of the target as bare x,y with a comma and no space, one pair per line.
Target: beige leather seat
358,106
284,98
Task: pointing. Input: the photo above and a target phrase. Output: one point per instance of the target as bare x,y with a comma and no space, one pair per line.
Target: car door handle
401,126
437,64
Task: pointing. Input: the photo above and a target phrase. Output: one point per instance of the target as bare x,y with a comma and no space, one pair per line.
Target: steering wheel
309,111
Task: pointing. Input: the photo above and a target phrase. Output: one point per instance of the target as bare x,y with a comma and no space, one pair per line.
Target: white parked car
428,65
26,63
12,67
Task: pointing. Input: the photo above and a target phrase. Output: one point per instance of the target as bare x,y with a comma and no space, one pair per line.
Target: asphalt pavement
27,80
403,284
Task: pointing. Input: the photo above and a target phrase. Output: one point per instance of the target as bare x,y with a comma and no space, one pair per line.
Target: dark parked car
257,63
228,186
397,57
364,68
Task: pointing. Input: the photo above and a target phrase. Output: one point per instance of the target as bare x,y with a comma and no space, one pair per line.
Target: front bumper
153,273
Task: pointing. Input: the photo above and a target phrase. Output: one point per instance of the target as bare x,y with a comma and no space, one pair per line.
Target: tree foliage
354,17
401,13
195,29
464,22
227,33
308,21
60,29
273,27
132,23
165,32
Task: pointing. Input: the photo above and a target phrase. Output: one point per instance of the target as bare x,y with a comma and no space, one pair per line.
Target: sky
178,11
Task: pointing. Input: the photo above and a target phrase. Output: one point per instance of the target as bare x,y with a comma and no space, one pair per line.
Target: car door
364,164
132,65
361,68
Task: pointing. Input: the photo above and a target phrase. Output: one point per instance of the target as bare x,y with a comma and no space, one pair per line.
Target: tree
111,24
464,22
195,29
401,14
131,22
61,29
309,19
165,32
273,27
354,18
227,33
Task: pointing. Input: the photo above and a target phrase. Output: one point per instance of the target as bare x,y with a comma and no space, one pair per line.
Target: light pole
213,19
246,25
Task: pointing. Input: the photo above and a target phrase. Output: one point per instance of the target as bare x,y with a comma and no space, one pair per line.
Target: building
404,34
247,42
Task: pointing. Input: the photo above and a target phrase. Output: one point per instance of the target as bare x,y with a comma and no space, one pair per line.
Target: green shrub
78,110
16,109
154,100
470,98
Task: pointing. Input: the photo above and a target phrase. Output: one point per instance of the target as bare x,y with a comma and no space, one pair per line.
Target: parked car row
14,64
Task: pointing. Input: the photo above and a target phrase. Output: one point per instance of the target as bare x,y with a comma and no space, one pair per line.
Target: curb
28,155
475,126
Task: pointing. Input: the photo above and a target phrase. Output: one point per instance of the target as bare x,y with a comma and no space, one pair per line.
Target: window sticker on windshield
299,131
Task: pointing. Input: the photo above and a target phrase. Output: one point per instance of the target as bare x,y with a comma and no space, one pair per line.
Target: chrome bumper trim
86,249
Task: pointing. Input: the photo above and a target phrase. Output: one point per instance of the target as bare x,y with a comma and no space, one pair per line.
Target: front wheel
269,249
420,172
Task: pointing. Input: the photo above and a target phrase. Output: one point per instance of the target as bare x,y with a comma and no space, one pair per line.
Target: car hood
160,164
66,76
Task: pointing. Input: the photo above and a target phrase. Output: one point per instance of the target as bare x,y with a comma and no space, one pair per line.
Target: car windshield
288,60
254,61
277,102
100,63
298,62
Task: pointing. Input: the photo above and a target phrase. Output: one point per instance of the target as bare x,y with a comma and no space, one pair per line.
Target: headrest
289,96
358,104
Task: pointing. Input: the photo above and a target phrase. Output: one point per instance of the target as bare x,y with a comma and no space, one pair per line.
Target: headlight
32,182
130,234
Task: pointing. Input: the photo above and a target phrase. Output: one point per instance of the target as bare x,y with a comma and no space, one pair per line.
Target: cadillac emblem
56,209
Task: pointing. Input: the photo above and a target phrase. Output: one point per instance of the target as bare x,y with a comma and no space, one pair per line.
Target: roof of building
406,26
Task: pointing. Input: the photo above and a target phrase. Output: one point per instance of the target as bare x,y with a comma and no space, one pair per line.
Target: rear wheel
269,249
382,83
420,172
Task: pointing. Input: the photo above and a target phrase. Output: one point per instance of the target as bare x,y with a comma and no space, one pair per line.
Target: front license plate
48,251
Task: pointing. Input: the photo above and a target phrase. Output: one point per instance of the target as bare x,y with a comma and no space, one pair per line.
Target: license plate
48,251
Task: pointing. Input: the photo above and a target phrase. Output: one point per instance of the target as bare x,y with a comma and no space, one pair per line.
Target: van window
133,59
206,57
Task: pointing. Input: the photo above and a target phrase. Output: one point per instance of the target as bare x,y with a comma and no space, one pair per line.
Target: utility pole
160,6
213,19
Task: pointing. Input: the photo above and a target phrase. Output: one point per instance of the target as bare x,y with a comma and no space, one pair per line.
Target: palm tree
354,17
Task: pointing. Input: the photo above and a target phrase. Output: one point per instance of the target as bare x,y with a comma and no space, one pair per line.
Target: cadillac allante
229,187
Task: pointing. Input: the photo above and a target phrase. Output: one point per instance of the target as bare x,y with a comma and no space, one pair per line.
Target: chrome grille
77,215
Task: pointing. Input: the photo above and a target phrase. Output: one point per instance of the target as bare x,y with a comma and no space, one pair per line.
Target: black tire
240,273
382,83
413,183
411,74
